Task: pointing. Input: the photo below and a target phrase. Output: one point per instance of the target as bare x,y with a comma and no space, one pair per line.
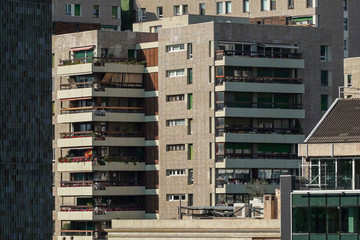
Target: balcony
98,64
81,235
258,59
259,110
111,163
259,84
240,129
106,138
91,89
101,114
100,188
238,186
103,213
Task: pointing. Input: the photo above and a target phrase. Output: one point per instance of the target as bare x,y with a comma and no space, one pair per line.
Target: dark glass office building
25,120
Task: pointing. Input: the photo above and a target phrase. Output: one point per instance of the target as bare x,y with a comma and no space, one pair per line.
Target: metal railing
101,135
221,157
100,86
100,185
98,161
221,131
221,80
272,105
221,53
100,61
101,111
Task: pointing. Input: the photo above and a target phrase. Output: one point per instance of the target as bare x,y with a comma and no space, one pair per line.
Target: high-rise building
25,106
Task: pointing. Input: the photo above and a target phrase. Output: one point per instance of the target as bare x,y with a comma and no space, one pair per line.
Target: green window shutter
79,54
190,76
114,12
191,152
77,10
190,101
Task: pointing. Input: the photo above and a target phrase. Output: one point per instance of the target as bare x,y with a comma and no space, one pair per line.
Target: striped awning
81,48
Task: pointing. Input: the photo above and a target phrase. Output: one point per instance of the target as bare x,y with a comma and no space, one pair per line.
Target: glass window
190,76
300,220
345,24
332,218
185,9
176,10
290,4
300,200
246,6
159,12
190,151
228,7
324,102
324,78
219,8
273,5
190,101
202,8
349,80
324,53
264,5
317,219
68,11
309,3
77,10
349,219
175,73
114,12
96,11
344,176
189,51
175,48
345,5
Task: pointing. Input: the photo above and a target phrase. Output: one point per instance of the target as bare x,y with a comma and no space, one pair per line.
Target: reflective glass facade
25,120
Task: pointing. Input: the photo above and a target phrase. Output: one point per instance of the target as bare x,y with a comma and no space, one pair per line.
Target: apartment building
25,105
339,17
84,15
234,100
351,78
105,132
322,203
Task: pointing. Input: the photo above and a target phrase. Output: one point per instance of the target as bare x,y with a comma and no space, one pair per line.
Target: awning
81,48
273,45
301,19
75,99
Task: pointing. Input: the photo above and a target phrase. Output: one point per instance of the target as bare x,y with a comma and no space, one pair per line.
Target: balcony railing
221,80
99,185
98,161
220,105
221,53
221,157
99,209
221,182
100,86
100,61
101,111
221,131
101,135
98,235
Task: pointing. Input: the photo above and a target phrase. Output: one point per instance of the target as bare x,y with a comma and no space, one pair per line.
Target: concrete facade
351,78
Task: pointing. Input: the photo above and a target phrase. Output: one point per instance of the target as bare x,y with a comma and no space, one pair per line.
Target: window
176,10
175,73
324,78
173,98
324,53
246,6
175,147
264,5
175,122
73,10
96,11
190,76
175,172
228,7
115,12
272,4
185,9
202,8
159,12
324,102
290,4
309,3
190,151
189,128
175,197
219,8
68,9
190,101
349,80
142,14
175,48
190,176
345,24
189,51
53,84
345,4
77,10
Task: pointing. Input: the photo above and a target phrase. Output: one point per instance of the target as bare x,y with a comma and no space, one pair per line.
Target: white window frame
177,10
228,7
67,8
175,98
175,73
175,197
246,5
175,172
158,12
175,122
175,48
219,8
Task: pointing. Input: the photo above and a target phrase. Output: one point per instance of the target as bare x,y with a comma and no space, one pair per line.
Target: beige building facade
351,78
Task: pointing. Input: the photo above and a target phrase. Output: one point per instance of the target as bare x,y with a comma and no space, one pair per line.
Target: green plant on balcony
66,226
257,188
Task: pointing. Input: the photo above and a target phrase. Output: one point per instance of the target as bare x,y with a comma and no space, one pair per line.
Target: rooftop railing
278,80
219,54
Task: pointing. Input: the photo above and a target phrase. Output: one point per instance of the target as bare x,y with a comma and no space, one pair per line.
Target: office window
175,197
324,53
228,7
324,102
175,122
190,101
349,80
115,12
264,5
309,3
345,4
246,6
189,51
175,172
190,76
185,9
324,78
291,4
175,73
96,11
219,8
174,98
345,24
272,4
175,147
68,9
159,12
176,10
175,48
202,8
